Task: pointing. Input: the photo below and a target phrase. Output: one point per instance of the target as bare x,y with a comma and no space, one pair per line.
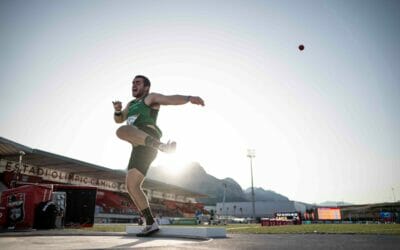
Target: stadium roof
10,150
370,206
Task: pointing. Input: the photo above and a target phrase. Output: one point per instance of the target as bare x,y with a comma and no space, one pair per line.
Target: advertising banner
58,176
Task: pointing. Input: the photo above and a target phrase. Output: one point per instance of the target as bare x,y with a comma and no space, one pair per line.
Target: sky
324,122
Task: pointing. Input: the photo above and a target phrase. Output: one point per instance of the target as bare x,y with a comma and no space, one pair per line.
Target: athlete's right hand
117,105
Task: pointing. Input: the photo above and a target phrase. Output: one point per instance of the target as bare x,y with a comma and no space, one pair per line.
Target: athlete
143,133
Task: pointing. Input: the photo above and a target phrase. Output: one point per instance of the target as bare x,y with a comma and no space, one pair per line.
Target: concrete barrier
183,231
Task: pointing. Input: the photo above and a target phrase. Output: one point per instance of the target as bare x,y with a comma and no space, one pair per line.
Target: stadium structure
388,212
97,194
21,165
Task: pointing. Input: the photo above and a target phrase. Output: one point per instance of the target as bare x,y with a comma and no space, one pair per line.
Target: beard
139,93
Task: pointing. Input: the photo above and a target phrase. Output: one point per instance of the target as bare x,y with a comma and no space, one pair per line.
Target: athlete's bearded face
138,88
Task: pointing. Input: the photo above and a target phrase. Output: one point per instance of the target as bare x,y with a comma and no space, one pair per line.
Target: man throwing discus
142,132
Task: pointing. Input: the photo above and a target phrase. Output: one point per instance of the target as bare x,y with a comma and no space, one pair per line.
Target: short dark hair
146,80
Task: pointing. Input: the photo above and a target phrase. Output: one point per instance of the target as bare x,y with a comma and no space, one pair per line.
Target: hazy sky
324,122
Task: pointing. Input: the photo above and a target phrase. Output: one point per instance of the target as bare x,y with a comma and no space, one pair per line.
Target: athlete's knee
132,190
122,131
134,181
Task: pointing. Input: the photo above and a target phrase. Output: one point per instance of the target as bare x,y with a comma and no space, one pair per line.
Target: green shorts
143,156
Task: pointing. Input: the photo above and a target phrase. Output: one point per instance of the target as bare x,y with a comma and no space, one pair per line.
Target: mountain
333,204
265,195
195,178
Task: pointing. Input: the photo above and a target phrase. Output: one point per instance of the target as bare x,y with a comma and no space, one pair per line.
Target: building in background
262,208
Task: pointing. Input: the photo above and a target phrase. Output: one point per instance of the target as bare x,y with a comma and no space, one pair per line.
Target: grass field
318,228
393,229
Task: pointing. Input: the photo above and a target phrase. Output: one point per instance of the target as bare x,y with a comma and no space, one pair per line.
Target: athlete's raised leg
136,136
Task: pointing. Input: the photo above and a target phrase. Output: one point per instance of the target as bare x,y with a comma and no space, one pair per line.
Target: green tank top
141,115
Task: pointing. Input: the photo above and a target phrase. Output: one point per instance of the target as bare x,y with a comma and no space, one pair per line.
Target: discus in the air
301,47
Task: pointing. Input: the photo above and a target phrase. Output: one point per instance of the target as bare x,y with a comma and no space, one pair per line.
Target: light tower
394,197
223,199
251,153
15,180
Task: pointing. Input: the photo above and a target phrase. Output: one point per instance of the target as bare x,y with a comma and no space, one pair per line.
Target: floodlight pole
394,197
18,170
21,154
223,200
251,154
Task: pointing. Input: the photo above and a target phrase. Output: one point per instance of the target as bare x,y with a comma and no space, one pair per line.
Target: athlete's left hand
196,100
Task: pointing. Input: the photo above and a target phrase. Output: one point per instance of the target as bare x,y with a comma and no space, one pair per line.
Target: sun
173,163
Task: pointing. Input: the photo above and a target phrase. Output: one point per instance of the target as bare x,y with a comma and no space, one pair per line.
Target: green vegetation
107,228
290,229
317,228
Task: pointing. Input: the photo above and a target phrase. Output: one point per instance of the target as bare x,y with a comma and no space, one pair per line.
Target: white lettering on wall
60,176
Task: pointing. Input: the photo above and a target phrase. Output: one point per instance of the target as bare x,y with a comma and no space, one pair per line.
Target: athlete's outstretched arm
159,99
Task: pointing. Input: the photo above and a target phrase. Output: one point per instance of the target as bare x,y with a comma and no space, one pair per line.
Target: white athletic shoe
148,230
168,147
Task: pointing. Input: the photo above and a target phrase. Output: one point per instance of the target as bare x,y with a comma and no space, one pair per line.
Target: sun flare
173,163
